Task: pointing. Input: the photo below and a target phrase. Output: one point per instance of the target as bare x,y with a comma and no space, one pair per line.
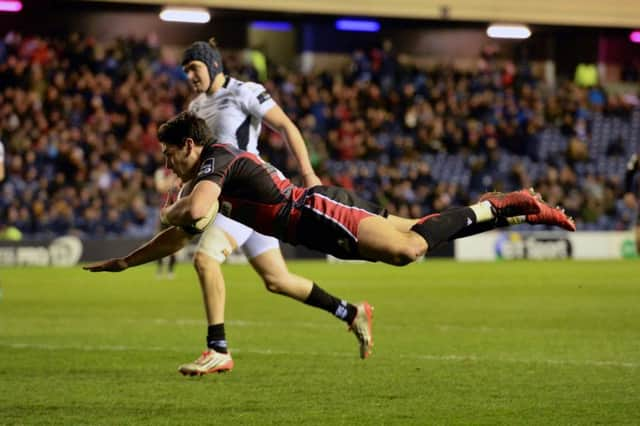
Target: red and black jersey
258,195
253,192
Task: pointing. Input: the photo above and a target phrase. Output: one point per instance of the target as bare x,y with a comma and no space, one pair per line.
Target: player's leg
404,225
339,222
216,243
159,264
483,216
171,266
379,239
499,205
165,262
399,241
387,239
546,215
266,258
336,221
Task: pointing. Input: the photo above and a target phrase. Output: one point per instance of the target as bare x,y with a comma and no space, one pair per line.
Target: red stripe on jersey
347,217
268,218
262,217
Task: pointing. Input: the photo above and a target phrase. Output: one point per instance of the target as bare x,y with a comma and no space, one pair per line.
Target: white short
215,244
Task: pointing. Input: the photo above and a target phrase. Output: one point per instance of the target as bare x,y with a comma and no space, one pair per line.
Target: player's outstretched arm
110,265
165,243
277,120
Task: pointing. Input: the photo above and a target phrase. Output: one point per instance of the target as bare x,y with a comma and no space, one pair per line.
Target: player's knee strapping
215,244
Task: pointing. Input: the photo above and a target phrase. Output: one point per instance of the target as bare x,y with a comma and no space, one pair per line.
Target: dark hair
182,126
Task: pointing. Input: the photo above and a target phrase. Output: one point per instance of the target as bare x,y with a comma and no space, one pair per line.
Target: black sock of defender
339,308
172,262
440,228
216,339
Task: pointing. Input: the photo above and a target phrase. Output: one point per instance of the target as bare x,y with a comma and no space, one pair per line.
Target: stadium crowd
78,120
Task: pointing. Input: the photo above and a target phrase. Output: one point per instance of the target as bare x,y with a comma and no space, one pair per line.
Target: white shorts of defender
215,244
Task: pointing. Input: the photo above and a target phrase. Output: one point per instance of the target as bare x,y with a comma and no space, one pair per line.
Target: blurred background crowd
78,121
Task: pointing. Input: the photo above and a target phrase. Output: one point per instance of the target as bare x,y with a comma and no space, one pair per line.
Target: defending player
234,112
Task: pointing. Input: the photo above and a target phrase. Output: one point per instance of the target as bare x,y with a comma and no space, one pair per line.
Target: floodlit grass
497,343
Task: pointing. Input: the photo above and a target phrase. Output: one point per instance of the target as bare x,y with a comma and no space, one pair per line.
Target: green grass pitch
544,343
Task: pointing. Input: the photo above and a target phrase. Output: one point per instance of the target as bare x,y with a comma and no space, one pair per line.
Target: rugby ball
202,223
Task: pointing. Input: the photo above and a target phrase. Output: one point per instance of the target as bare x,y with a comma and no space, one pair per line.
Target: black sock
216,339
437,229
339,308
478,228
172,262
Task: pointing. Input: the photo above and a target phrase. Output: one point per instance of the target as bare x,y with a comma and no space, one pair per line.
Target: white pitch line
473,358
418,357
235,323
442,328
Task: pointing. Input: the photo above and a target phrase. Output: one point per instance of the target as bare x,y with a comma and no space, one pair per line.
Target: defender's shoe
550,216
209,362
362,327
516,203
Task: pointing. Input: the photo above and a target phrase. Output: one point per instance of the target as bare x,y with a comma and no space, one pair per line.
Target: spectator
81,115
2,172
